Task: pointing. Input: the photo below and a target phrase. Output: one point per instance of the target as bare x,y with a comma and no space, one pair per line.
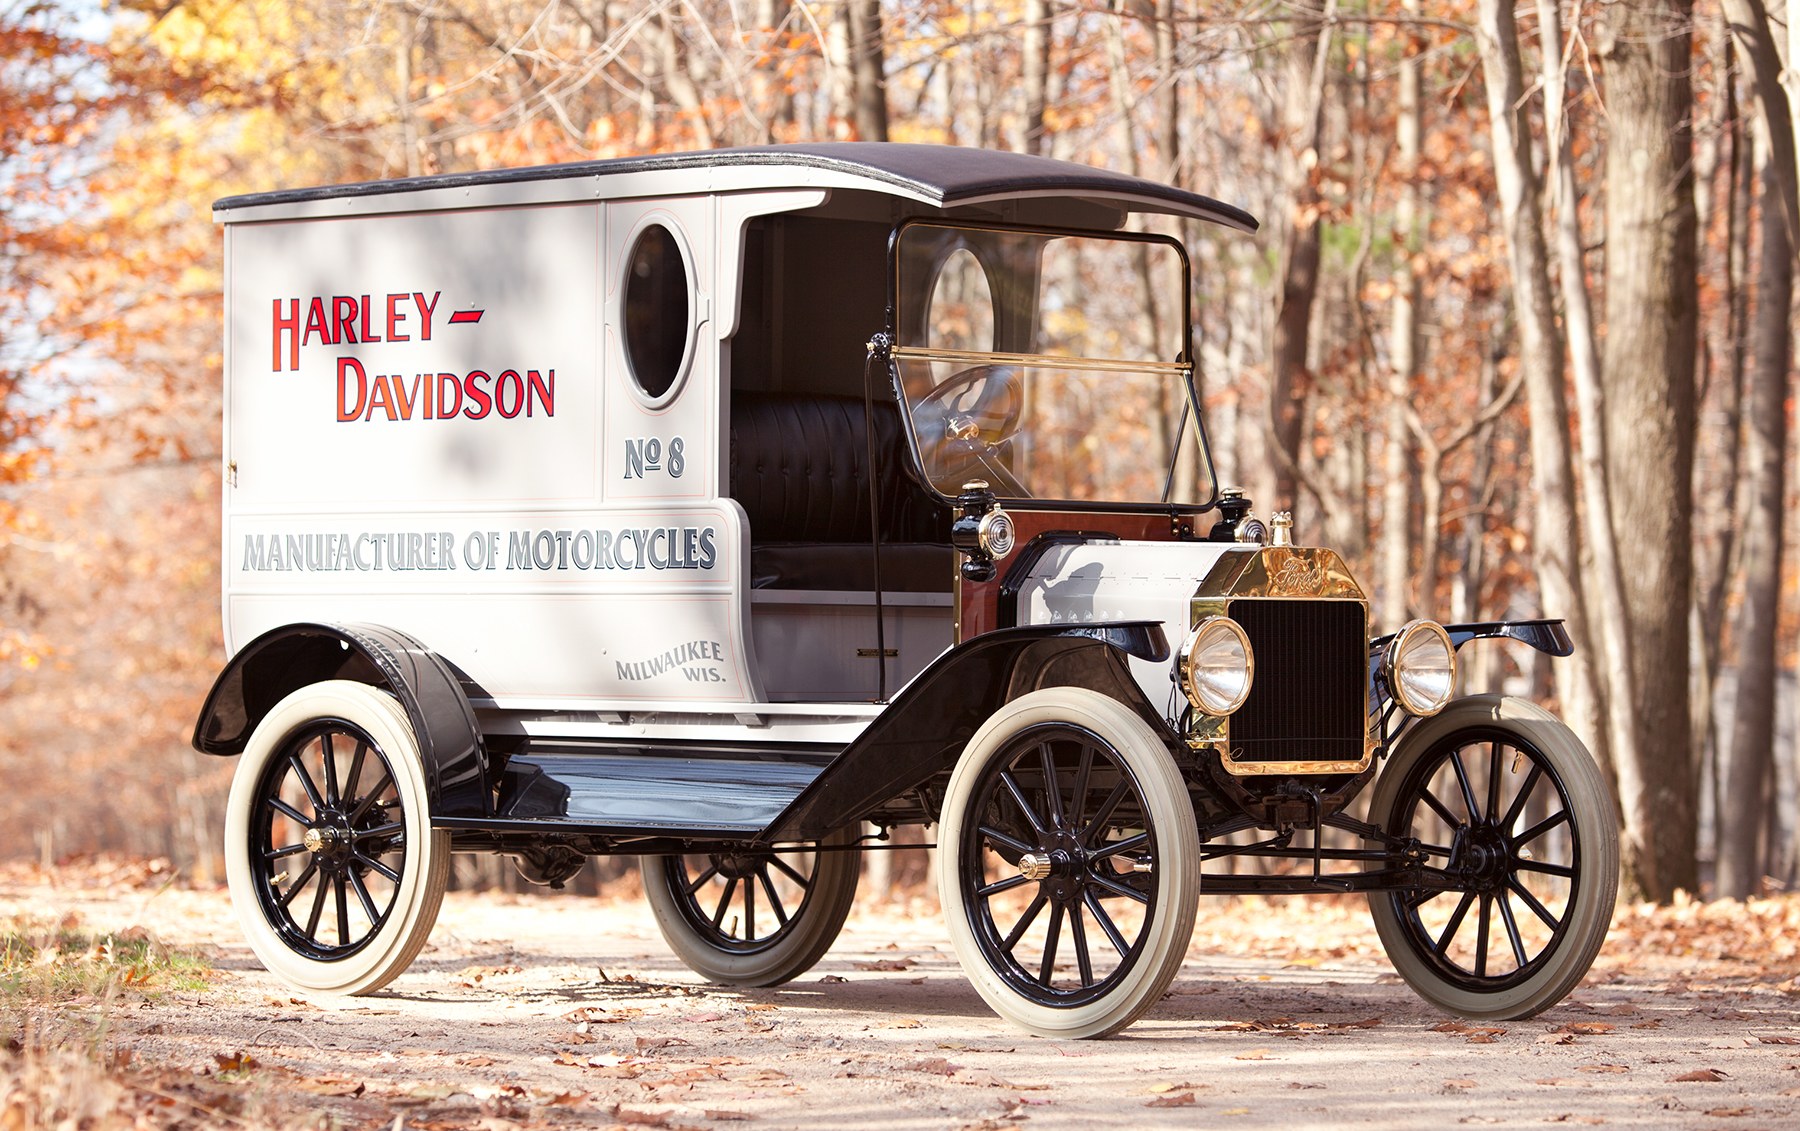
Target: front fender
285,659
924,729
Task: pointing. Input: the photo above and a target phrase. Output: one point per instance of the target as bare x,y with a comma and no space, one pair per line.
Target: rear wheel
1068,864
1516,820
334,869
754,918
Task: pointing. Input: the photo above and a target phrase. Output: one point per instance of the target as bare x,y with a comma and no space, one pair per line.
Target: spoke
724,903
1434,849
1078,797
749,909
1442,945
1118,846
1046,968
1532,902
377,866
1493,798
341,890
1018,796
1517,808
1442,810
388,829
356,765
1110,928
1082,961
284,850
1512,930
1539,829
781,916
368,802
1482,926
1005,841
331,778
290,812
306,782
1052,789
1462,782
312,920
791,873
1563,870
1118,888
1031,910
363,897
312,868
711,871
999,886
1103,815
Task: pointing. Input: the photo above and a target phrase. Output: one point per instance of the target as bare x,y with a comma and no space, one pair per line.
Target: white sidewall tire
803,942
427,854
1591,806
1177,848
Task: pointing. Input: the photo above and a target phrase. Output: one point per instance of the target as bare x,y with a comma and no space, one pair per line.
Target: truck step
646,792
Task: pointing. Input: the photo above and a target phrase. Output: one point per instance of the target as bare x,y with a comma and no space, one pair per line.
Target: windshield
1051,365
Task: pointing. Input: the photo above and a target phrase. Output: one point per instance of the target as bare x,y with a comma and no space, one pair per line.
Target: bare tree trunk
1743,803
1651,320
1403,353
774,99
1303,115
1038,15
1606,584
1556,536
868,62
1749,22
1724,378
1168,73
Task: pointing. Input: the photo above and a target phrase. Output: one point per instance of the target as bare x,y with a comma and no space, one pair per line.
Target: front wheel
754,918
1069,864
334,869
1522,847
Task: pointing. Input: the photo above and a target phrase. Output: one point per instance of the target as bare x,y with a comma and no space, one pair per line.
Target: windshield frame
1182,366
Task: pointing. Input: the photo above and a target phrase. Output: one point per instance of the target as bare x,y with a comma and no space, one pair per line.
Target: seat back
799,466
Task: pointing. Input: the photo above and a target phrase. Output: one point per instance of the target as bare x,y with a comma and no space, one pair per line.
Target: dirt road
569,1012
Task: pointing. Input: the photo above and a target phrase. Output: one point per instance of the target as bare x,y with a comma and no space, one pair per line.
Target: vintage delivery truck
714,507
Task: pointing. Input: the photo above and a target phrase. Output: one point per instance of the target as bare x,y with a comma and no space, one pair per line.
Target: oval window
961,316
657,321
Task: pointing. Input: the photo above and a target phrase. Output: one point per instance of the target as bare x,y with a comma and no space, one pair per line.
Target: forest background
1516,336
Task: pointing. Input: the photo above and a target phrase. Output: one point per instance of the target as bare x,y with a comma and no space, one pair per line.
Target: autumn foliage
120,125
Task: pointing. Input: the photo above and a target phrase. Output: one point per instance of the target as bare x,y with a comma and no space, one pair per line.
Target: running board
725,793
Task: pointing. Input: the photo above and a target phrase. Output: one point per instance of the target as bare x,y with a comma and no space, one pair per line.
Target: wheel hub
329,843
1485,859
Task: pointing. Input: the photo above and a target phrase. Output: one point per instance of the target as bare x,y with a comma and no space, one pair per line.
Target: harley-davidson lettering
406,316
658,549
694,659
442,396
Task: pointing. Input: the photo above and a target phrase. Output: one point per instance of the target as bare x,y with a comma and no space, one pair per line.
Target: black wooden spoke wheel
328,853
754,918
1069,864
332,862
1522,853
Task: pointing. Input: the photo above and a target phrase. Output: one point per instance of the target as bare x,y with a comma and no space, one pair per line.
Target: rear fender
285,659
925,728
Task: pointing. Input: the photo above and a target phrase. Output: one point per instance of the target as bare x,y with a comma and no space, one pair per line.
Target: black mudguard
285,659
925,728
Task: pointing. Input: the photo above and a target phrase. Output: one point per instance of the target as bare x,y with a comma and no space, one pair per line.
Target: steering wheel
964,424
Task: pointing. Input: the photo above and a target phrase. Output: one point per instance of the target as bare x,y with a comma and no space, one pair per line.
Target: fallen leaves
1177,1099
1477,1034
1701,1076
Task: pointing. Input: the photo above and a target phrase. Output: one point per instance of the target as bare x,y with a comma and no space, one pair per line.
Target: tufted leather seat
799,468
